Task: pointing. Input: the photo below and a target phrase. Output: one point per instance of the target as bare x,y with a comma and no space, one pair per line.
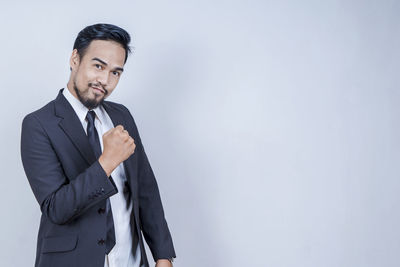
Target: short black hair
102,31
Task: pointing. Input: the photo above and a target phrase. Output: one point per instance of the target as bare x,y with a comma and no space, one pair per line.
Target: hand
163,263
117,147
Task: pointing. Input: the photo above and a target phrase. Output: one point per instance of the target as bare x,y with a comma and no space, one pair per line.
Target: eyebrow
104,63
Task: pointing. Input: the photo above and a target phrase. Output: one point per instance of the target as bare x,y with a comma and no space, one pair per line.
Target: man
88,170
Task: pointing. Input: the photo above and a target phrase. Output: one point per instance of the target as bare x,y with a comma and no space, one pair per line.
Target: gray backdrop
272,126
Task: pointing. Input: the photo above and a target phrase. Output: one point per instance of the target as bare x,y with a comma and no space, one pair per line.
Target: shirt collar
80,109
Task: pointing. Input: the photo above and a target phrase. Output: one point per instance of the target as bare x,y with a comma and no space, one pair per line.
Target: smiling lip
98,89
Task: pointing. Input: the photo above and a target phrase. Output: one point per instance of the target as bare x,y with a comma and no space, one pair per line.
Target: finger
128,141
125,137
131,141
119,127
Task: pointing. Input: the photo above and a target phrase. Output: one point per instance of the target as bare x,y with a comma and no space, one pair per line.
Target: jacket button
101,241
101,210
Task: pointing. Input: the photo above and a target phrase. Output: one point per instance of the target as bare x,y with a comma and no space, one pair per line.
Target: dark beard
89,103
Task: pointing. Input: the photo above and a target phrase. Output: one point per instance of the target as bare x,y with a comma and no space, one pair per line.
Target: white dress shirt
121,254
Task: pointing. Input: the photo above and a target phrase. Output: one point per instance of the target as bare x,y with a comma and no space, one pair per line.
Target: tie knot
91,115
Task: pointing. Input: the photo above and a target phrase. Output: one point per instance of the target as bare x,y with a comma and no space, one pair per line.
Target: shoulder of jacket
43,113
117,106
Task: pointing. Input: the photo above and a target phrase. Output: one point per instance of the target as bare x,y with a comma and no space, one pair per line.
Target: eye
116,73
98,66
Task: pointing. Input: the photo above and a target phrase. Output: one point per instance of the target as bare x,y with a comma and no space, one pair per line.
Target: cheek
85,77
110,88
113,82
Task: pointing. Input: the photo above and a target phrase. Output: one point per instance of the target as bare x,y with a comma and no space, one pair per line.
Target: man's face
97,73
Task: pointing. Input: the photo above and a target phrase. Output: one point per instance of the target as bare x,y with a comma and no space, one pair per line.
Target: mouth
96,89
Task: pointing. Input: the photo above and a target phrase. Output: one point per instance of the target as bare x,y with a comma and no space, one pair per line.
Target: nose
102,78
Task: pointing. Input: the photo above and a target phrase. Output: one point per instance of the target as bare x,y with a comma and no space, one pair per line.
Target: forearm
108,164
154,225
74,198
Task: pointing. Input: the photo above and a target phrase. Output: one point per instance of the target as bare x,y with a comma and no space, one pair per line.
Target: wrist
107,164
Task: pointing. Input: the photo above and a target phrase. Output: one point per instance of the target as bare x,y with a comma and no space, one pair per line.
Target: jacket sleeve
60,199
154,224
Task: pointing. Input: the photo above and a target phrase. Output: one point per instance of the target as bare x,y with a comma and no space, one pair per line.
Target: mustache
99,86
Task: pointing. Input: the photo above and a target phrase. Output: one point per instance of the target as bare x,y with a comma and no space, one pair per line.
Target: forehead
109,51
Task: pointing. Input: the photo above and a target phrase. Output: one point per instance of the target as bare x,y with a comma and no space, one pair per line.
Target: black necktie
95,143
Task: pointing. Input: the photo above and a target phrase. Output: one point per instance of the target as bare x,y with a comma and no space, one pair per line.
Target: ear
74,60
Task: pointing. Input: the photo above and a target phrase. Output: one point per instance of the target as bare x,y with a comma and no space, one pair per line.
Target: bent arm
60,199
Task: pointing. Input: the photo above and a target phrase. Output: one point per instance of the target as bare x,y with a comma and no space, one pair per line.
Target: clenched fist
117,147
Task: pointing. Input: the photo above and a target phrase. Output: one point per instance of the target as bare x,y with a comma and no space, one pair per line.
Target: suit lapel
73,127
114,114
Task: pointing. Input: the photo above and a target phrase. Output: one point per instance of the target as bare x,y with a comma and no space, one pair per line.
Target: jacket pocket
59,243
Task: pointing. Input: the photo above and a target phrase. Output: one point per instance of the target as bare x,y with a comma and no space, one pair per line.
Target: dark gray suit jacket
71,188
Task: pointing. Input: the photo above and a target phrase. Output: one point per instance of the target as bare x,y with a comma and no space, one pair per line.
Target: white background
272,126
